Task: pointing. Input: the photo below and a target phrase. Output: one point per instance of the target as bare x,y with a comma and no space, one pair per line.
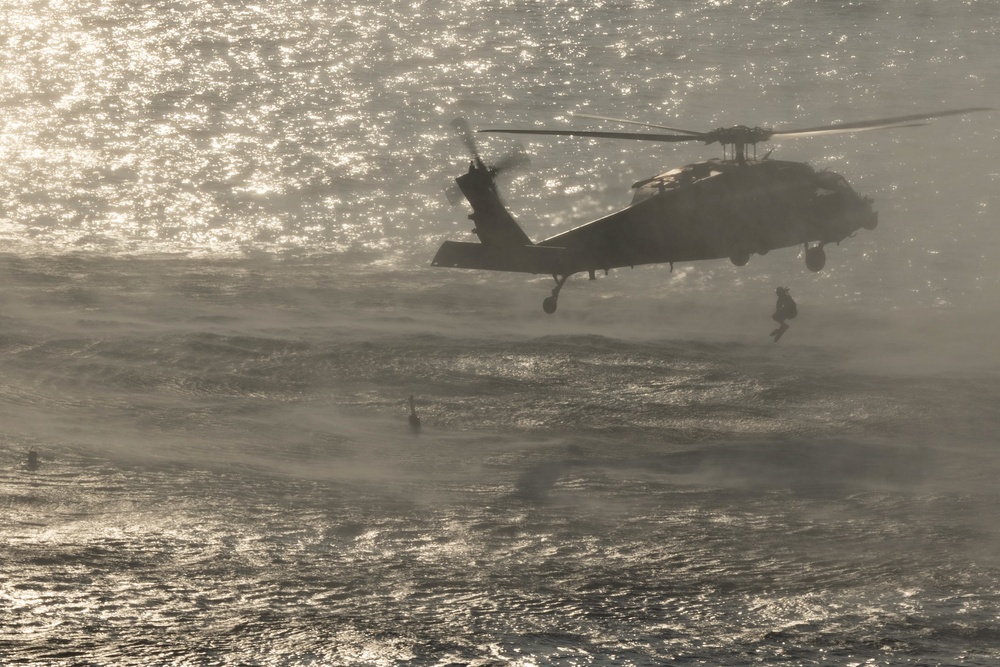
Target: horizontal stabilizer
521,259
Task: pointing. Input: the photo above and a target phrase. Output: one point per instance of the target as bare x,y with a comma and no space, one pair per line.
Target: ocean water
217,223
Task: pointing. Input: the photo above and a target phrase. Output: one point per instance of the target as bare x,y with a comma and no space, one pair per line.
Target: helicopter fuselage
720,209
707,210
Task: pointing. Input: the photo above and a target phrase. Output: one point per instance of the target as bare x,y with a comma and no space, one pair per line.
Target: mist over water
218,220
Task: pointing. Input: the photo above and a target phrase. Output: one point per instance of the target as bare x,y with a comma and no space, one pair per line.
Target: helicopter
732,207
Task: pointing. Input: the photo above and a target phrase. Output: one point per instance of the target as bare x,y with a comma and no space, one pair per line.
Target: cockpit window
832,181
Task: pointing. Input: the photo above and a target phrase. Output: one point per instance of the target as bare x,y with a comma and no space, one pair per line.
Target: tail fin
495,226
503,244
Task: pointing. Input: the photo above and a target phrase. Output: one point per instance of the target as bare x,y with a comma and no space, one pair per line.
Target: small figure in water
414,419
784,310
33,459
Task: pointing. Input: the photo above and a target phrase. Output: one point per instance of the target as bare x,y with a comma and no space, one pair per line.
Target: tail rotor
514,160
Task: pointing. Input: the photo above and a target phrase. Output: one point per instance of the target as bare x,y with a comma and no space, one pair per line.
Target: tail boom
519,259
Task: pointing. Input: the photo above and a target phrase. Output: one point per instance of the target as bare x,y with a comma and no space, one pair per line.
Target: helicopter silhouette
732,207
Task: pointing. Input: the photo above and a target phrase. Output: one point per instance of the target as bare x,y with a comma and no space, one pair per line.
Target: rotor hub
739,134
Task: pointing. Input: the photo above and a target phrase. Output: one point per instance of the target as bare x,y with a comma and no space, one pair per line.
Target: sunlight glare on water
306,126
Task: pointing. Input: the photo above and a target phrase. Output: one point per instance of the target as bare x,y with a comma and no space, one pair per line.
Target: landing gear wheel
740,259
550,303
815,258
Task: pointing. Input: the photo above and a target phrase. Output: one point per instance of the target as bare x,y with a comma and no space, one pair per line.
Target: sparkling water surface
218,219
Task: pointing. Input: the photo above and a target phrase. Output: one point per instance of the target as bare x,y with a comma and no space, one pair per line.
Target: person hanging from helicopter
785,309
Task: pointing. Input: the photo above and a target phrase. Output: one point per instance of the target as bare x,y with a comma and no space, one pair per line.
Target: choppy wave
228,477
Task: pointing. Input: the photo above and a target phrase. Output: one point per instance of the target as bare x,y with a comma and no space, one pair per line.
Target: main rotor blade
605,135
635,122
877,124
820,133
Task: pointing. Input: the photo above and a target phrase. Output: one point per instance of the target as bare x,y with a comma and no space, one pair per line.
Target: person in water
784,310
414,419
33,459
